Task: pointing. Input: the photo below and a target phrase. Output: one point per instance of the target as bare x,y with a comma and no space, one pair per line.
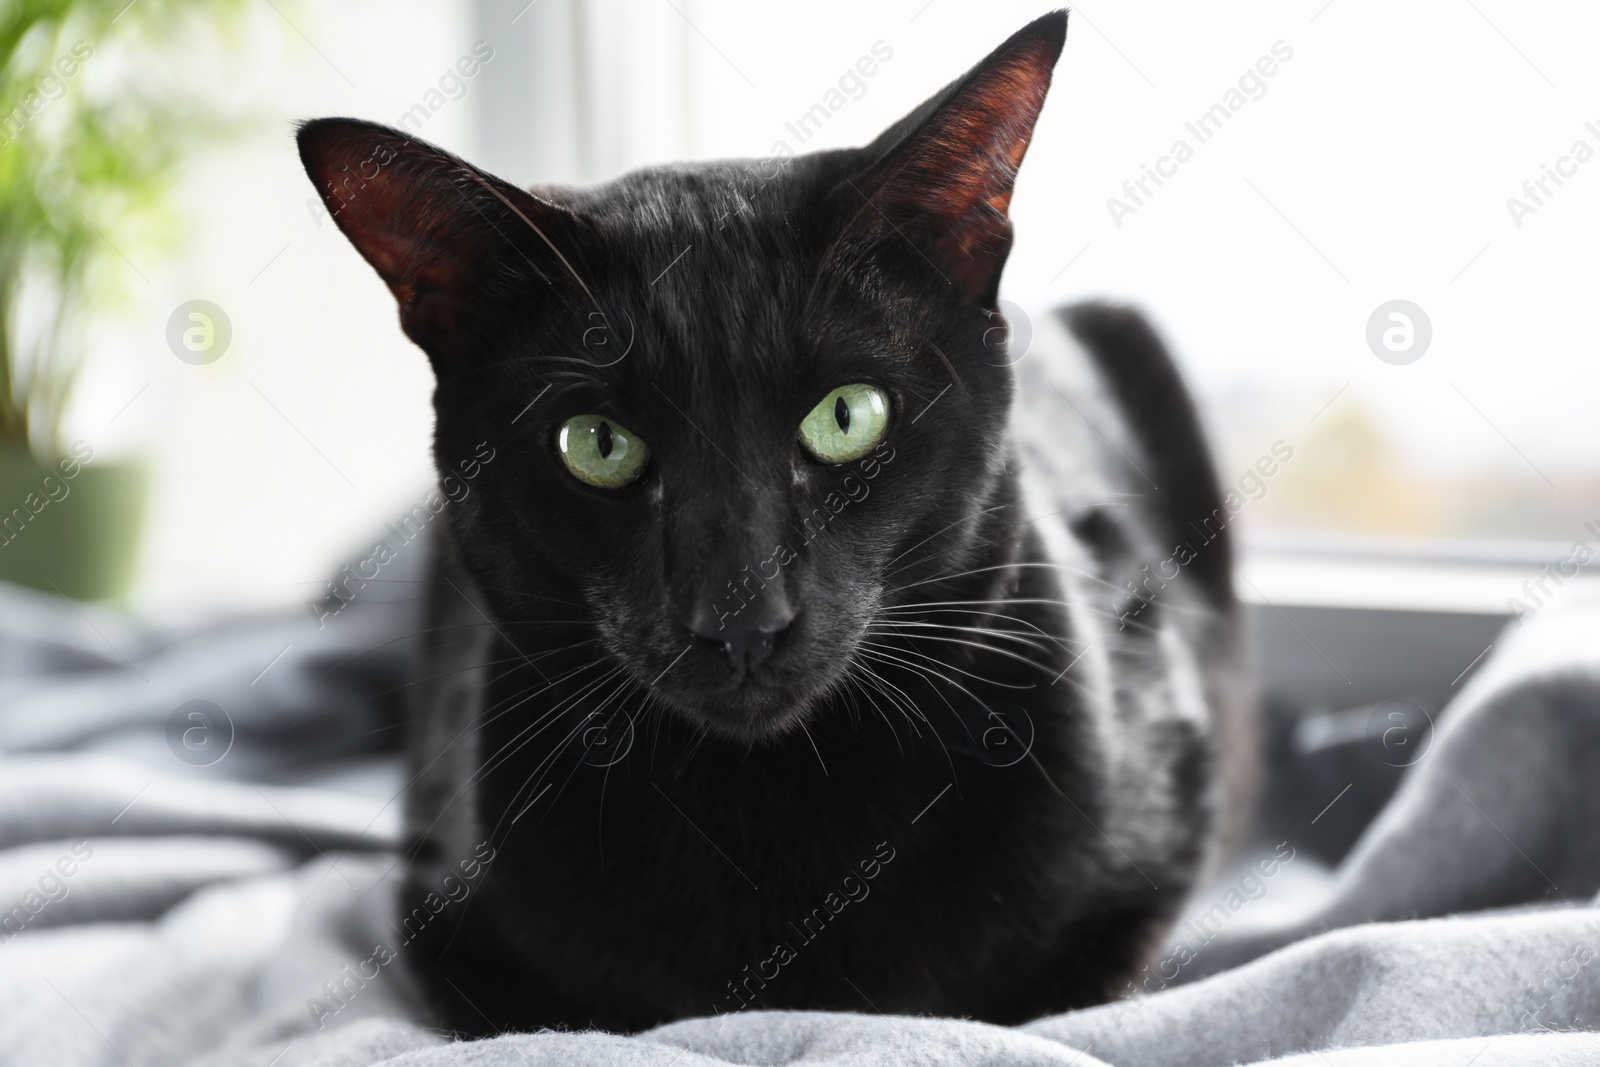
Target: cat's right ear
443,235
944,174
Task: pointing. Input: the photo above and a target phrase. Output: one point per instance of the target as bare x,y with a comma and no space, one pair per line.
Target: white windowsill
1460,577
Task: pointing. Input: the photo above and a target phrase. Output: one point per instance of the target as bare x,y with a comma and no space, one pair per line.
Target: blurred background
1366,229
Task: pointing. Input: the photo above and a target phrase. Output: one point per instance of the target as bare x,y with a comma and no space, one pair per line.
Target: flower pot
69,527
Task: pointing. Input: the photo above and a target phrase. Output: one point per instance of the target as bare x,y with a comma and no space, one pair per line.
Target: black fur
985,805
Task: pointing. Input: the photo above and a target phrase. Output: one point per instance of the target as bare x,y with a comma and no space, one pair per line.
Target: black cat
787,653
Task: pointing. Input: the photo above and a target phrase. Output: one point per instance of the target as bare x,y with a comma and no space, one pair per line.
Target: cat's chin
748,714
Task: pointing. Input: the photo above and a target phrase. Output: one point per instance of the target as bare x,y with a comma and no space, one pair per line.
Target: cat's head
726,401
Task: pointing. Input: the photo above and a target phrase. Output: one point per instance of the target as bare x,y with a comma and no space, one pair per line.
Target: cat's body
668,883
755,729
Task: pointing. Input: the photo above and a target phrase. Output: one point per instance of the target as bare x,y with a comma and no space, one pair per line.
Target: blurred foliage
89,151
1350,476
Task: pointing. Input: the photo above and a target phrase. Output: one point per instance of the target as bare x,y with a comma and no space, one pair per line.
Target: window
1331,165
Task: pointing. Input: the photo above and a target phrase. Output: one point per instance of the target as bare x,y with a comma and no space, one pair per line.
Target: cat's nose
748,638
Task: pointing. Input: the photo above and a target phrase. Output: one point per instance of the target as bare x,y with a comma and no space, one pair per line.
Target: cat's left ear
945,172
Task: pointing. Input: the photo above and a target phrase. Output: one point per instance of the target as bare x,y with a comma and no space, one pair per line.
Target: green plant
86,167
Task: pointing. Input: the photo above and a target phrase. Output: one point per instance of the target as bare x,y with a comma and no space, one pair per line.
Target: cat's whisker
518,662
503,753
1003,635
369,649
900,700
1002,567
930,604
408,636
969,548
462,735
415,681
1028,754
485,721
1009,654
1075,571
536,776
914,640
1066,644
925,675
1061,641
855,685
848,688
951,526
884,686
985,544
968,607
516,798
533,690
882,646
702,734
542,721
635,686
478,585
1169,606
814,748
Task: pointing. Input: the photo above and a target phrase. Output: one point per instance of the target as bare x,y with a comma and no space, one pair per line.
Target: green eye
600,453
847,424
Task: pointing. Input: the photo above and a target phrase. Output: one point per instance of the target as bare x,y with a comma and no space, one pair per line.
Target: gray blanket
197,824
